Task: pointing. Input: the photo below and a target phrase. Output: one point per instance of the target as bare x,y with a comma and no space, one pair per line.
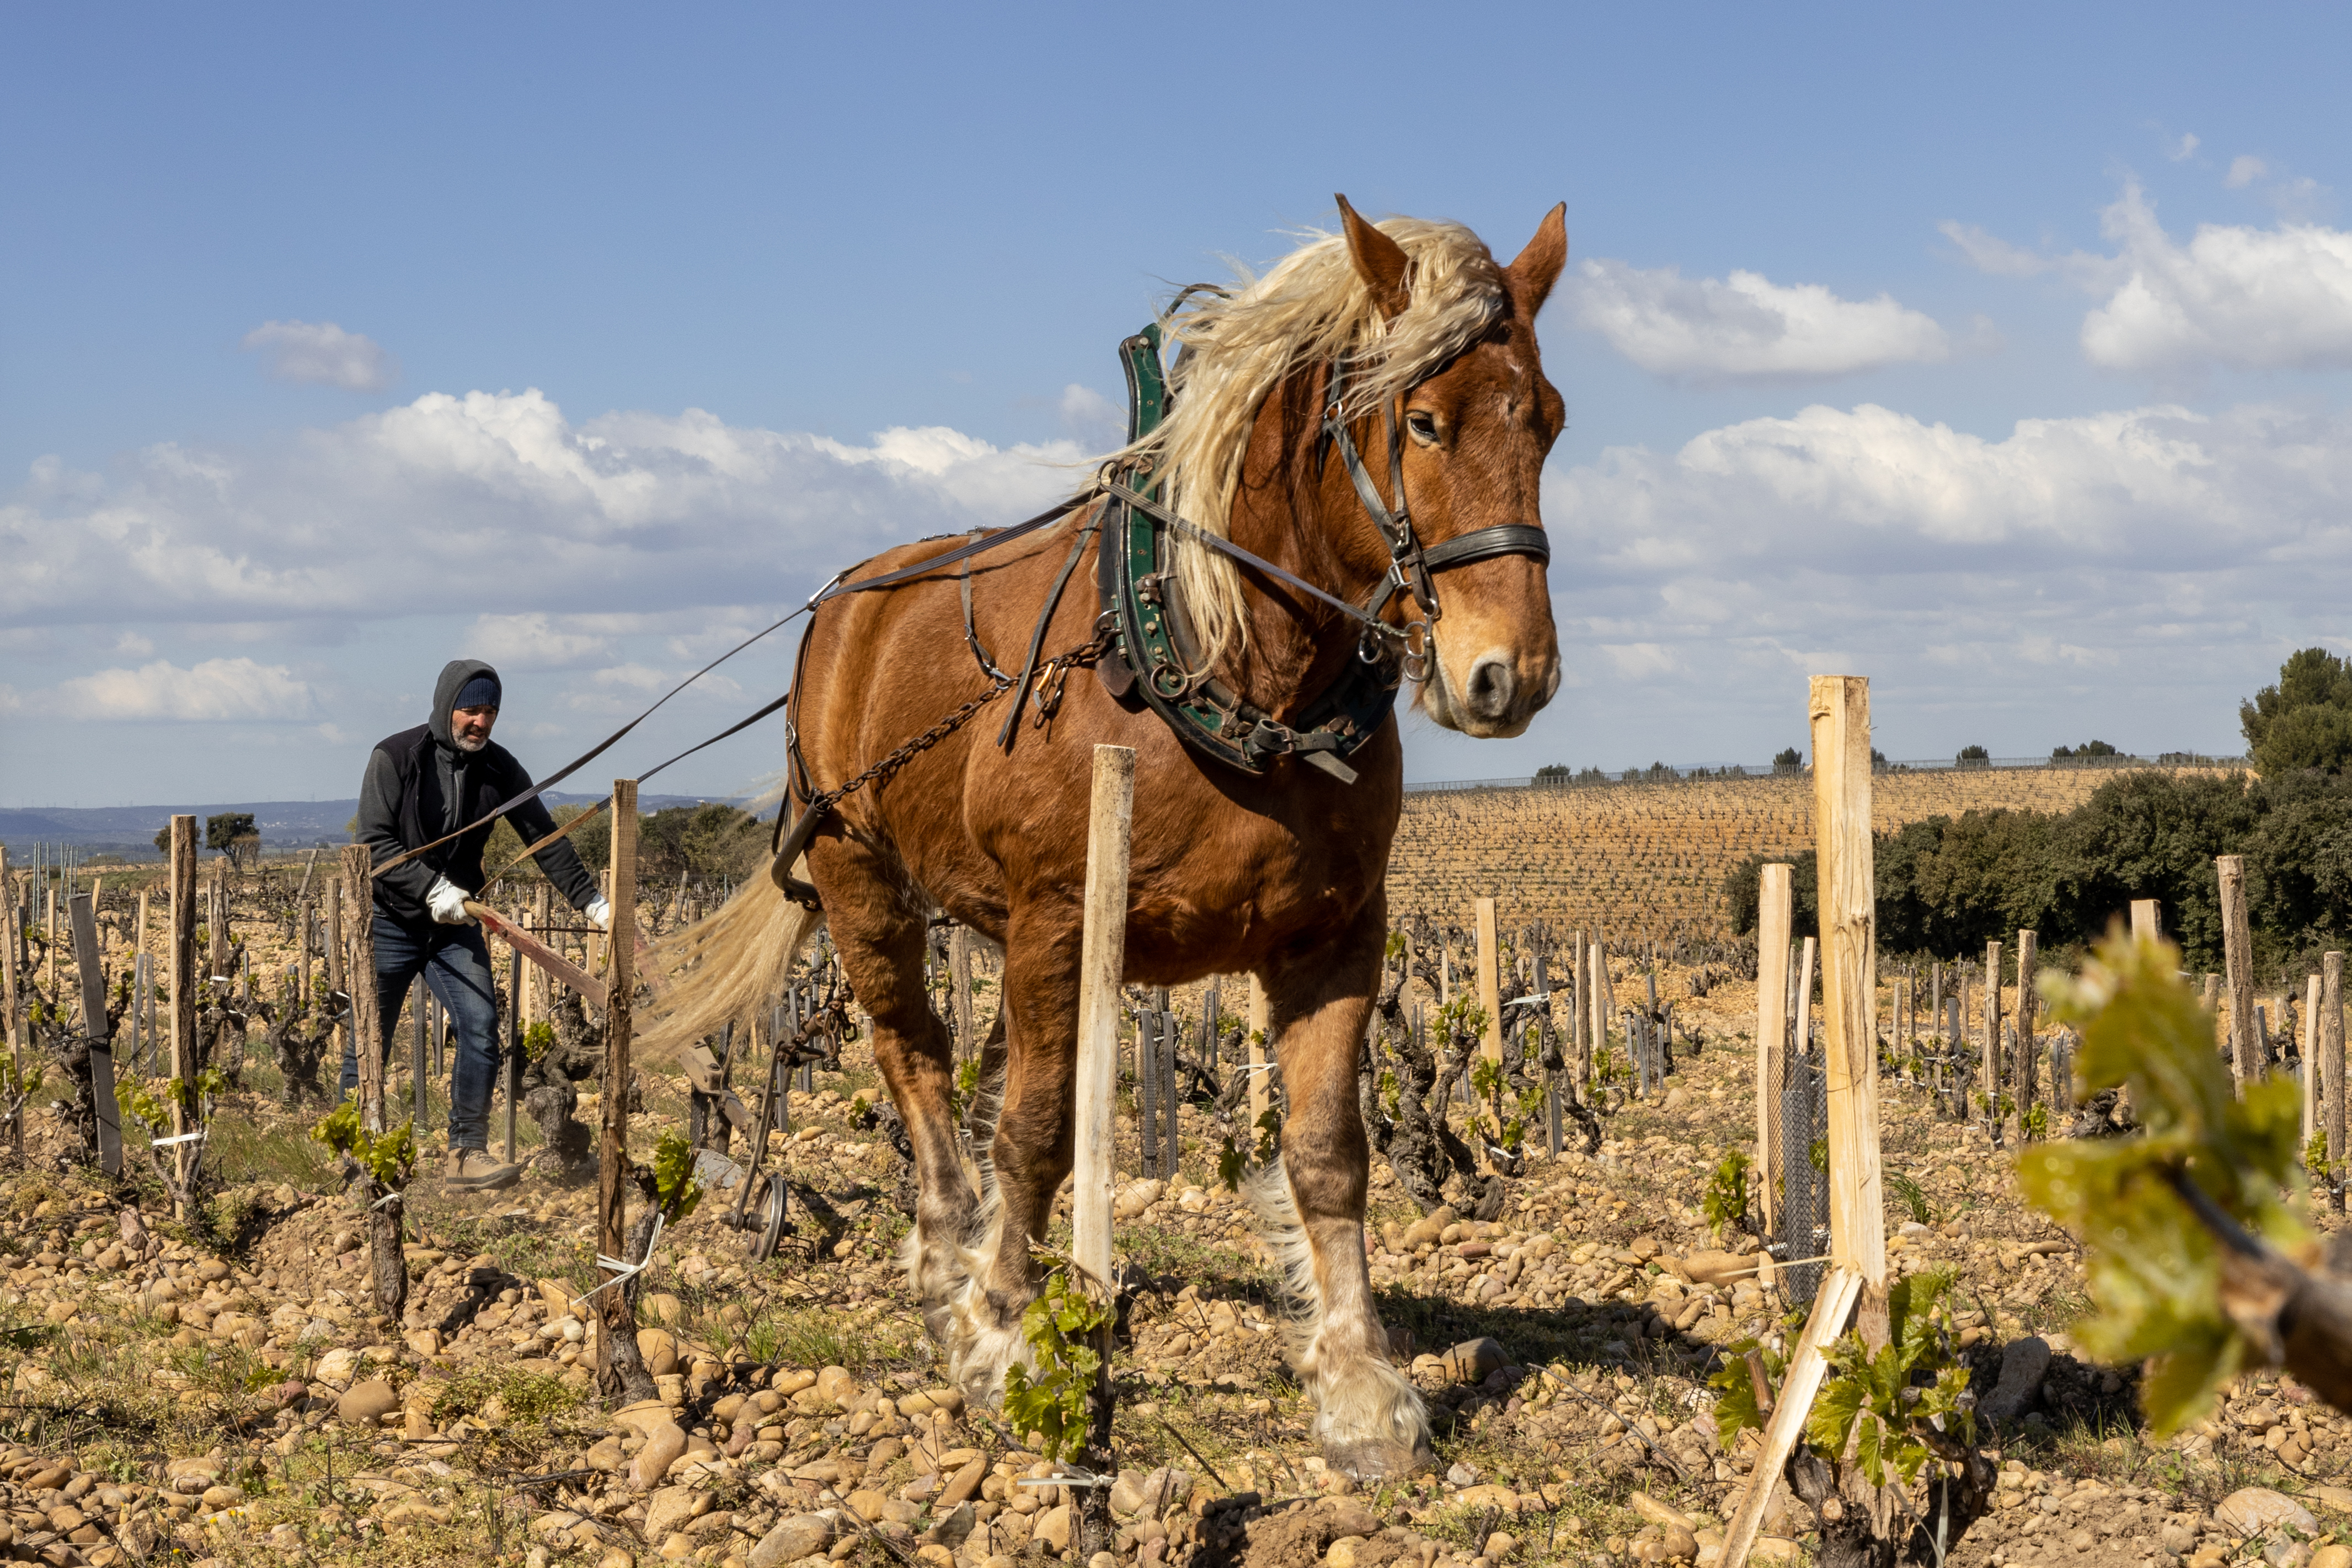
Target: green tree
1973,756
2305,720
233,833
2084,752
1788,760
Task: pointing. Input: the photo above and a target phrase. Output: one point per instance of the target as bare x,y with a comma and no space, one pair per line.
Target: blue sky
1999,355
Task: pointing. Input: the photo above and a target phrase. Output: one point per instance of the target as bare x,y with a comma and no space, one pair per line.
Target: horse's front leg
1369,1418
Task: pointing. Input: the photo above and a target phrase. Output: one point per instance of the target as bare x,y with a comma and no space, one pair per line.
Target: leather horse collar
1159,659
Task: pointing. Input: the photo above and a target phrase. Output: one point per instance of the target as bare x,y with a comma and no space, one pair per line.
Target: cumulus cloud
321,353
494,503
214,690
1745,327
2233,297
2180,152
2242,297
533,642
2244,170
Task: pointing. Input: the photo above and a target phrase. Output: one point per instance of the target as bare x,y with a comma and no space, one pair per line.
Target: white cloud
214,690
2244,170
323,353
1092,420
2242,297
494,504
2183,149
132,644
530,642
2233,297
1746,326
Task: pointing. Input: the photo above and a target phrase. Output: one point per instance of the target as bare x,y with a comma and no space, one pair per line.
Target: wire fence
1696,772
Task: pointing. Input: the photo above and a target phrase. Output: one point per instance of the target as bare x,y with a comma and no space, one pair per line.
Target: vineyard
1648,861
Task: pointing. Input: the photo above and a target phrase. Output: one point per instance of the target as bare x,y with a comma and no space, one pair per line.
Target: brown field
1649,860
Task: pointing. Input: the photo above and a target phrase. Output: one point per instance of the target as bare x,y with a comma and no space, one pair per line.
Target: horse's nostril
1491,683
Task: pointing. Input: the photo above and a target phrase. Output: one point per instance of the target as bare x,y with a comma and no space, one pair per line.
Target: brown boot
472,1170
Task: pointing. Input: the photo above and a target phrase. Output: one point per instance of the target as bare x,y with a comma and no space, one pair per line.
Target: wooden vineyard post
960,990
2022,1071
97,1035
2331,1060
2144,926
1102,962
2238,959
1490,985
2313,1102
1261,1093
1992,1074
359,971
1580,1061
418,1007
513,1073
1772,918
620,1371
338,993
1857,1275
1596,958
184,994
9,1001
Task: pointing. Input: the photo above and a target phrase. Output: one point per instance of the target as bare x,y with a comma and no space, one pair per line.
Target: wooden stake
1101,966
1842,780
2308,1041
1992,1061
2144,926
359,970
1102,962
97,1035
184,991
1794,1402
1772,919
619,1370
1261,1042
967,1042
2331,1057
1490,985
2238,959
2022,1070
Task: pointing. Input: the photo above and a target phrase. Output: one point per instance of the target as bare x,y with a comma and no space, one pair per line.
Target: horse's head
1474,436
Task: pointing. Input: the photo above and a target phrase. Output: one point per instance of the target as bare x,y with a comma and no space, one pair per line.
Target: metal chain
825,800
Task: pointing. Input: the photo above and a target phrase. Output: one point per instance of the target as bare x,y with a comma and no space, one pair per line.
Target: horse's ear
1380,261
1538,268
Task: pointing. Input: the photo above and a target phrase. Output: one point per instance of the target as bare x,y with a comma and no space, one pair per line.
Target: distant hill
130,831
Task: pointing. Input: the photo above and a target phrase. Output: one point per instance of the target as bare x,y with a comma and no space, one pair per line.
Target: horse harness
1143,648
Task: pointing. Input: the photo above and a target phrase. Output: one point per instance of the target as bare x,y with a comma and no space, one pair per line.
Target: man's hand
448,902
600,914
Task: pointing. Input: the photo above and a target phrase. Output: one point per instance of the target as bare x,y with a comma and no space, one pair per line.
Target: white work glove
600,914
448,902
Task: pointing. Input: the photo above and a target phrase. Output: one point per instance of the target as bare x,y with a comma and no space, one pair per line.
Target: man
422,784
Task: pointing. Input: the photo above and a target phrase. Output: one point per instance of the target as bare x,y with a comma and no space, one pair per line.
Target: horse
1403,339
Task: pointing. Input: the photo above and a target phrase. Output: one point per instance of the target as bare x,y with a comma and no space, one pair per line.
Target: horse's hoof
1377,1461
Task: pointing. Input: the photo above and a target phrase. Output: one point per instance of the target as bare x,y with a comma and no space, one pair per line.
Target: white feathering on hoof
1362,1400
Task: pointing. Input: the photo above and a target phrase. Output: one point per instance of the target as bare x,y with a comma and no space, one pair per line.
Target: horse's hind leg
1031,1152
881,944
1369,1418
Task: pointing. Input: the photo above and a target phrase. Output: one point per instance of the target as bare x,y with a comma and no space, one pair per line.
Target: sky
1997,354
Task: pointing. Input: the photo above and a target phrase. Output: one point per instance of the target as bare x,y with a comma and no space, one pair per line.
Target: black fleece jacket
419,786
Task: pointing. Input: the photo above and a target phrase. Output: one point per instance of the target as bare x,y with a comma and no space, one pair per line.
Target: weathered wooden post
1773,913
2022,1070
359,970
2308,1040
419,1008
620,1371
1490,985
1596,958
337,991
1102,962
2238,959
513,1073
2144,926
1261,1093
967,1043
1580,1060
97,1035
184,996
1992,1055
2331,1057
1857,1276
11,960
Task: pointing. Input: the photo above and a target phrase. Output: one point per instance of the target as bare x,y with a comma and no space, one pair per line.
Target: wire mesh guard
1805,1186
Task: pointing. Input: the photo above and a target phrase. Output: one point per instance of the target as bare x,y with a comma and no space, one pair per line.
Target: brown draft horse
1279,874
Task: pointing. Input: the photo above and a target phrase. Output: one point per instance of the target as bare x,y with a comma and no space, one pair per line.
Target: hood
454,677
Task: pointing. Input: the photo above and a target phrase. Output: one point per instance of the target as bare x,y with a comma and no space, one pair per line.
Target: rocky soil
218,1386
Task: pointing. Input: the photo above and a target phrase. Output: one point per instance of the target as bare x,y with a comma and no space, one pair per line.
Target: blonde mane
1313,307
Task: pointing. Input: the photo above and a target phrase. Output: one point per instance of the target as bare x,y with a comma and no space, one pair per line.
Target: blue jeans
455,963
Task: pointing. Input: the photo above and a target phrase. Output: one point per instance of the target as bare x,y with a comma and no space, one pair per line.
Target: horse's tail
726,965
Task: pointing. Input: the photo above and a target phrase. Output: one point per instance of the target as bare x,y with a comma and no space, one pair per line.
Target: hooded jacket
419,786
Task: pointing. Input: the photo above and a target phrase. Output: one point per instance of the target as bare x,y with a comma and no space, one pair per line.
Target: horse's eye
1423,427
